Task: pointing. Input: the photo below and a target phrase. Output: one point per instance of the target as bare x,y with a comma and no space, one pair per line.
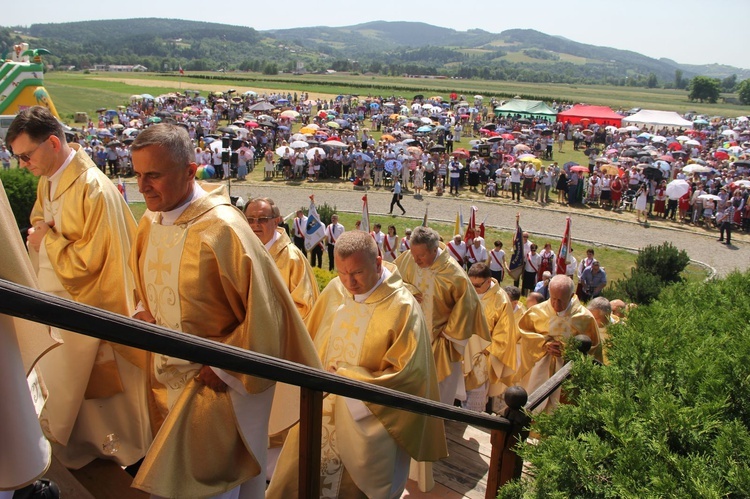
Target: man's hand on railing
145,316
208,377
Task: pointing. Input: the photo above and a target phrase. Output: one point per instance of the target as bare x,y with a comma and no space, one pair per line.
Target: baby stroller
628,200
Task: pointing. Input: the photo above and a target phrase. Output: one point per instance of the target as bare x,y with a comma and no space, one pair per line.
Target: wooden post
311,419
503,459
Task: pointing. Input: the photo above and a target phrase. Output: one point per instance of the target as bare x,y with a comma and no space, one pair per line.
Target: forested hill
390,48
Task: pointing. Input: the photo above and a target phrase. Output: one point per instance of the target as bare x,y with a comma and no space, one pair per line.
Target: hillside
388,48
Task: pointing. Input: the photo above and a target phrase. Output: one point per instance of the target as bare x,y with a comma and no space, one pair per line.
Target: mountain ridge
392,47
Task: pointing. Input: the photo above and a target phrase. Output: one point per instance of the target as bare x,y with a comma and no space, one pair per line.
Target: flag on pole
515,267
481,227
471,229
562,255
182,72
314,229
365,225
122,189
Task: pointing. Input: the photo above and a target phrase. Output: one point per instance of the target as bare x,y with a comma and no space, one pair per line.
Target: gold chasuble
540,324
383,341
450,305
208,275
25,454
96,389
296,272
493,361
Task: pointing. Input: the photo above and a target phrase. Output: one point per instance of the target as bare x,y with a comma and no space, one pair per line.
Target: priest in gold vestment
450,305
25,454
200,269
489,366
367,326
263,216
80,239
544,328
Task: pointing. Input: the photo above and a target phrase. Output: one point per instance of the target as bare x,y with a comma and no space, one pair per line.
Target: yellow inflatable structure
22,81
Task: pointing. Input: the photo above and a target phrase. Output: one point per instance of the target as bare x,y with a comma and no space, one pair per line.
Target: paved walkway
593,226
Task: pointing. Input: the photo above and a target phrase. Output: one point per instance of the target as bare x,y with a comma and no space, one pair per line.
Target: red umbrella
251,124
721,155
507,136
667,158
674,146
461,153
509,158
579,168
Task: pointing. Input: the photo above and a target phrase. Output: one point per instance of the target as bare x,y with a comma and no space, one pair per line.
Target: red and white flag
182,72
365,225
562,255
471,229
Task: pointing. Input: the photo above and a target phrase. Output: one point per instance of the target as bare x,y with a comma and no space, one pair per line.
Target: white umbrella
692,142
677,188
311,153
284,150
299,144
658,139
729,133
712,197
683,138
696,168
742,183
632,128
299,136
335,143
290,113
426,121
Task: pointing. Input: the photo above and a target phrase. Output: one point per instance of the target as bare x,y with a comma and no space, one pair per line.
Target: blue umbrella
392,164
362,155
208,140
374,105
147,96
424,129
282,101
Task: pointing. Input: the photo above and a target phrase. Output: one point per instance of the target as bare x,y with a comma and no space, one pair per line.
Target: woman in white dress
418,180
641,201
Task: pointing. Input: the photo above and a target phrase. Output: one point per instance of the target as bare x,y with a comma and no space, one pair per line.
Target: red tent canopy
595,114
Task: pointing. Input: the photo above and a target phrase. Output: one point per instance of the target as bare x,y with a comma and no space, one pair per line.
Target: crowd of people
412,313
196,266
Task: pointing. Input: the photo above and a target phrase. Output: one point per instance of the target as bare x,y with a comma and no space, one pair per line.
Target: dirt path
208,87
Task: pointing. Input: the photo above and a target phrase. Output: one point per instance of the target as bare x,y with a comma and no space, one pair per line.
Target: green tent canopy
532,109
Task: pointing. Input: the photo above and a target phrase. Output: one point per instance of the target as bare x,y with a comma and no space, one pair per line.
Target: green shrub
665,261
668,417
323,277
20,186
641,287
655,268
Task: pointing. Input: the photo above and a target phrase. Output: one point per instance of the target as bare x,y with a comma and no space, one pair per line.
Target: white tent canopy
657,118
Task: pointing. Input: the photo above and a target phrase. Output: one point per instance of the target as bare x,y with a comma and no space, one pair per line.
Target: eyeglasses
480,285
26,157
261,220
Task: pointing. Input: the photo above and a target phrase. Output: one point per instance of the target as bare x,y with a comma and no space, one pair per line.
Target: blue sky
687,31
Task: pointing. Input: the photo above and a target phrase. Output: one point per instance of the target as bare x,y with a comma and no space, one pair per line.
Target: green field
74,91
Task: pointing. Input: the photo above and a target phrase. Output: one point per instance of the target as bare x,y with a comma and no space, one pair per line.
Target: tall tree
679,82
744,91
728,83
704,89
